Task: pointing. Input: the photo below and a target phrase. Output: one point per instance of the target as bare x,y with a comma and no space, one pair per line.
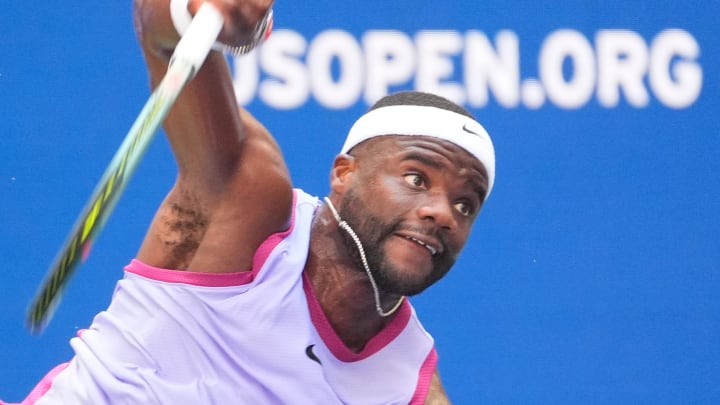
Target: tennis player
246,290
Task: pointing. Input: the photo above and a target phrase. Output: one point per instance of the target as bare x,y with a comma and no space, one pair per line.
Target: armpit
186,227
179,227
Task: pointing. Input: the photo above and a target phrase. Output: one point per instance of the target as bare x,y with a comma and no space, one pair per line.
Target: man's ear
342,172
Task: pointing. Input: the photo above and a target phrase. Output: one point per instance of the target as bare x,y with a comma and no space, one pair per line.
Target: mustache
375,230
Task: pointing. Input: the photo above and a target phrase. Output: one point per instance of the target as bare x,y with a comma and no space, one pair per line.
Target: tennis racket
186,60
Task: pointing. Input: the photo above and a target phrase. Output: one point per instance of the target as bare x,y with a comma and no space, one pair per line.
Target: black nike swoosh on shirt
311,355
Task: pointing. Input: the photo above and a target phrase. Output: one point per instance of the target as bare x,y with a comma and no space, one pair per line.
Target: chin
407,283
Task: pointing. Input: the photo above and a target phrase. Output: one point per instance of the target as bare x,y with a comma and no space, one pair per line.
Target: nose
436,207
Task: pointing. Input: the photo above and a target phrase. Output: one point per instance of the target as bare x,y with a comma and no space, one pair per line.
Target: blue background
590,277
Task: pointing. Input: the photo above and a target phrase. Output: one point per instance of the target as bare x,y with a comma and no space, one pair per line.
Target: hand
241,18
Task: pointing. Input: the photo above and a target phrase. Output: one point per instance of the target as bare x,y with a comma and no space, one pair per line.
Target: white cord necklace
344,225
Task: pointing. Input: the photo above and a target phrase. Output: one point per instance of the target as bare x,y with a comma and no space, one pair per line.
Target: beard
373,232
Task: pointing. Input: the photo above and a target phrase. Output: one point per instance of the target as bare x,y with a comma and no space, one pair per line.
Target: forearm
207,222
203,127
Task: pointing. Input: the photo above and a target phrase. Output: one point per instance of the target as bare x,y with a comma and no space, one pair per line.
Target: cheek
385,193
396,189
459,239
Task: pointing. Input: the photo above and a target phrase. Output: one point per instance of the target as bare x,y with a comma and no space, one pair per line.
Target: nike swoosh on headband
468,130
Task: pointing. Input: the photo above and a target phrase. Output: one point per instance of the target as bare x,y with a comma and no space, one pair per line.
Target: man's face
412,201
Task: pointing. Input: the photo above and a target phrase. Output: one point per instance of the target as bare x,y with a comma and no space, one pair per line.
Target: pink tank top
253,337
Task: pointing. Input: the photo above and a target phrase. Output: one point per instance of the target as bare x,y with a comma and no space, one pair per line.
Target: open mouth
433,250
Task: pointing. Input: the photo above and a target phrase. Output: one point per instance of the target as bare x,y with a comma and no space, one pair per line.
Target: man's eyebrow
478,186
424,159
481,191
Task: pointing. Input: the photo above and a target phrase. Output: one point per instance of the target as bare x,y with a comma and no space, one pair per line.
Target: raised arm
233,188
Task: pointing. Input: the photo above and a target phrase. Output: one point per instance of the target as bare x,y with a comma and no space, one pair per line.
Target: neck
344,291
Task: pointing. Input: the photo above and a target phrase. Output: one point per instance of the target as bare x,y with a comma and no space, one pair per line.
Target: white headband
436,122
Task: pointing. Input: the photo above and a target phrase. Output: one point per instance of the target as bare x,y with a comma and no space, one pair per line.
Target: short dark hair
421,99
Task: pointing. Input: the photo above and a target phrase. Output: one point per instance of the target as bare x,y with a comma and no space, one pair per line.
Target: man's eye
464,209
415,180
